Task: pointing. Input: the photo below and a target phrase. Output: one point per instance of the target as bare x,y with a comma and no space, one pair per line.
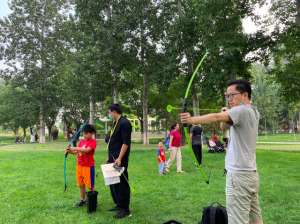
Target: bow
72,142
184,109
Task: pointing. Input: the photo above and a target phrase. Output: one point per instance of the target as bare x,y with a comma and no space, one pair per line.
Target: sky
4,10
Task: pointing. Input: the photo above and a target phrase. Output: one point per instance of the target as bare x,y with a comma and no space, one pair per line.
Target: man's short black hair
115,107
242,86
89,129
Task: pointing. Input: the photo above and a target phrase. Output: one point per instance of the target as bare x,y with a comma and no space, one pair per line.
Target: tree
32,44
18,109
265,97
284,52
143,35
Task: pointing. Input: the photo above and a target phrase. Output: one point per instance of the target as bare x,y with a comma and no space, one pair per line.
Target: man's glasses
230,96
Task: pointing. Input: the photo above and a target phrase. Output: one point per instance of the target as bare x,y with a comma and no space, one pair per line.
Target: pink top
176,142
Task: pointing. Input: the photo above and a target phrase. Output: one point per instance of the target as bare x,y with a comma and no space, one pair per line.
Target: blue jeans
161,168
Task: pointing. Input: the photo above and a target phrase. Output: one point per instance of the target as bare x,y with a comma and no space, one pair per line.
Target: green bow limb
184,109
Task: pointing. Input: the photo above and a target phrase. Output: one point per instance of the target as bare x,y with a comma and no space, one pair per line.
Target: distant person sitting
212,147
196,139
216,139
214,144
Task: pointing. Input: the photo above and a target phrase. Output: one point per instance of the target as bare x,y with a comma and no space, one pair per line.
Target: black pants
197,149
121,192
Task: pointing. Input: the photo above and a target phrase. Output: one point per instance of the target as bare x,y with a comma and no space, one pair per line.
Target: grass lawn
279,138
5,140
279,146
32,187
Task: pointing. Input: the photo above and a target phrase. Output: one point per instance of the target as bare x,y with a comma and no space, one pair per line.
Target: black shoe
114,209
122,214
80,203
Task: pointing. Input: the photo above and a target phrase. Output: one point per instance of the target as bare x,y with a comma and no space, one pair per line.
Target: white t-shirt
241,152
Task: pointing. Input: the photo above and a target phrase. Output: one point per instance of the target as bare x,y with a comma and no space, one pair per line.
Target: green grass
279,146
32,187
279,138
5,140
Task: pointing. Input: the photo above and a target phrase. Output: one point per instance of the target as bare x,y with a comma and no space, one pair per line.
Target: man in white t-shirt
242,180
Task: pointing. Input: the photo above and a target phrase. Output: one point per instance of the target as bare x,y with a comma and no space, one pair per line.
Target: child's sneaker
80,203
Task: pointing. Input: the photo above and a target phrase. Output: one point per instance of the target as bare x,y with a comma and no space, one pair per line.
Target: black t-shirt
121,135
196,135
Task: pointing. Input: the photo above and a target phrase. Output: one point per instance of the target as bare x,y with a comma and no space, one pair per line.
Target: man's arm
122,154
223,125
126,137
205,119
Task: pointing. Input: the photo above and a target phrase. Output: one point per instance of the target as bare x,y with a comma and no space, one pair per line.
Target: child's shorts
85,176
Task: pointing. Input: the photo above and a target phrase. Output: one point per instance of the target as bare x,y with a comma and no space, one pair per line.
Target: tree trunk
92,111
142,128
115,94
145,110
42,138
299,122
50,138
114,75
179,8
298,13
24,133
195,104
16,132
65,130
145,84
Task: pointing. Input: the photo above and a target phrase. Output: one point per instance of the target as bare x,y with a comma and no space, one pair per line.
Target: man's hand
118,161
186,118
